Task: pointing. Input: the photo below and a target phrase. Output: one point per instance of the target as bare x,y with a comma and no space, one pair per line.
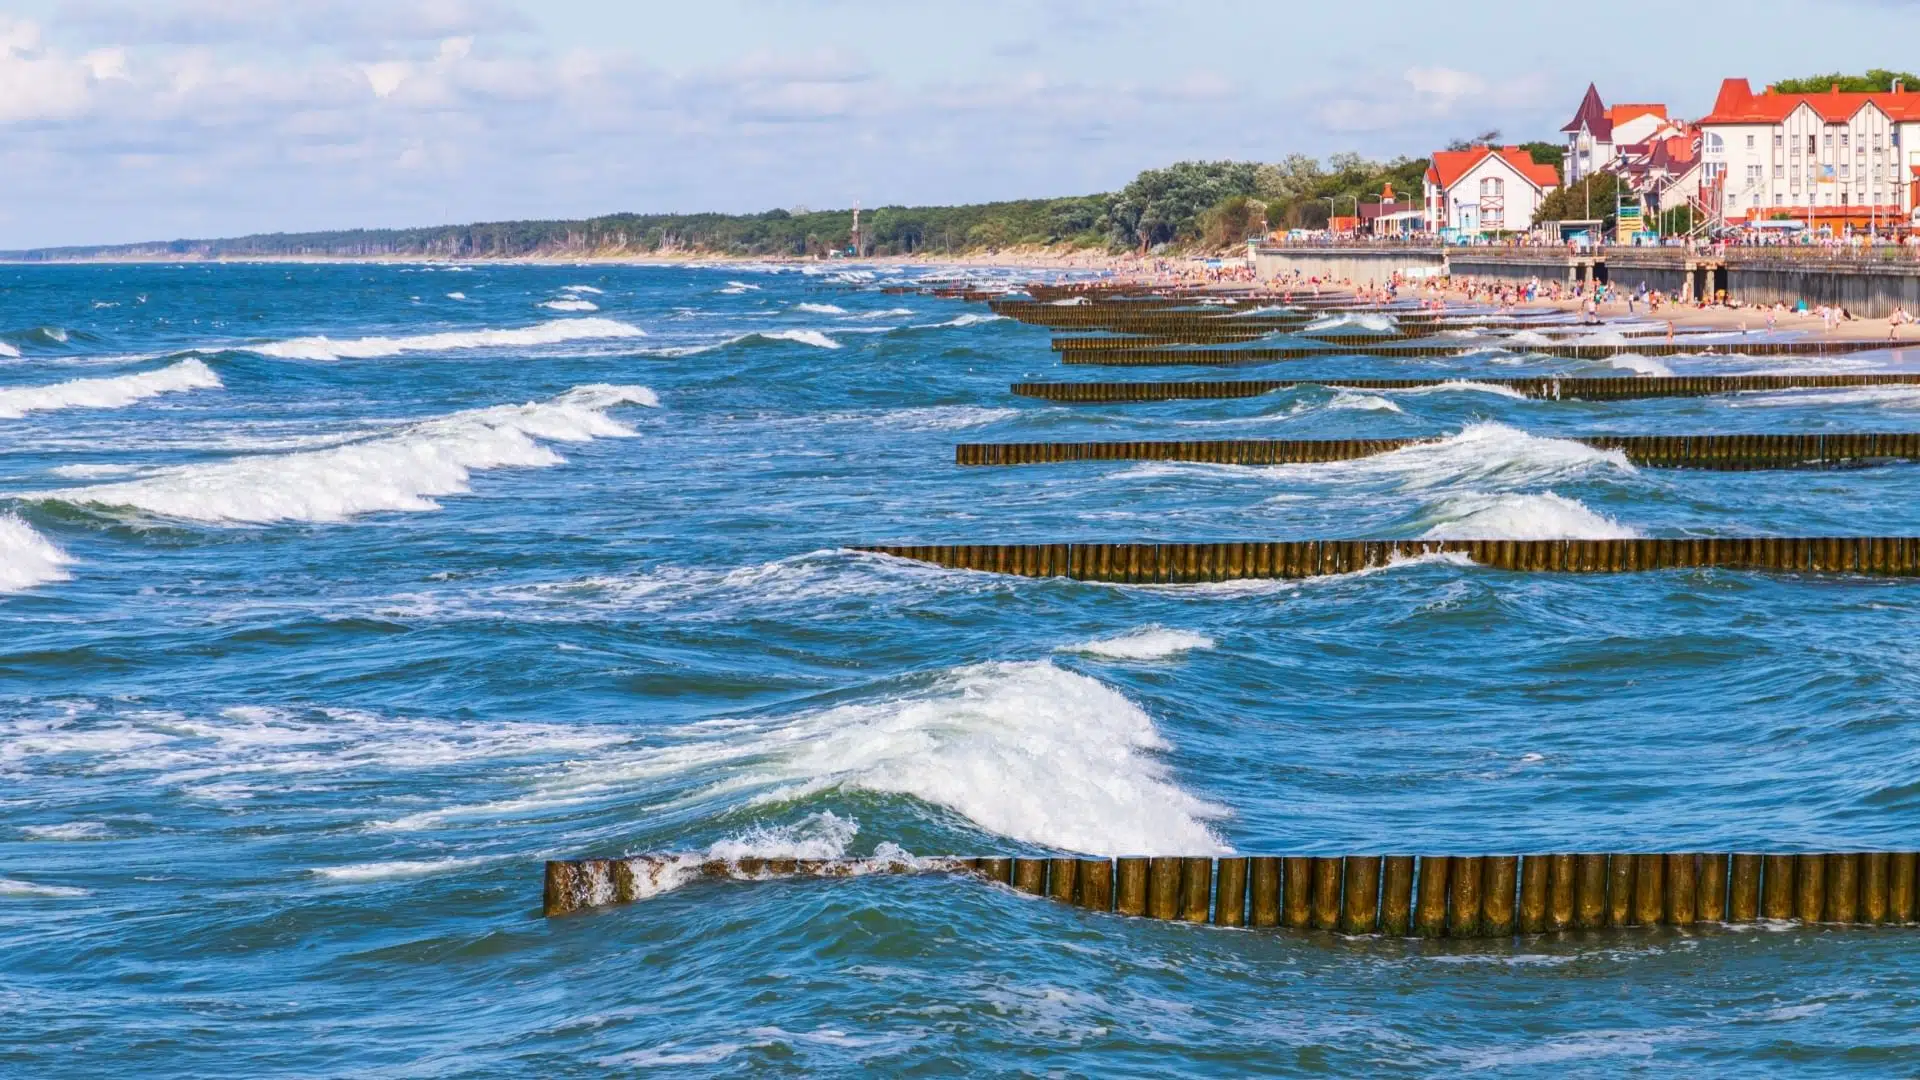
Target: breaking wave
570,304
1481,453
1543,516
758,337
8,350
820,309
1370,321
401,470
1151,643
547,333
27,558
107,393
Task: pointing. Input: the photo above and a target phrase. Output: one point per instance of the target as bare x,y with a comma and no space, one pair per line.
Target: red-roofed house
1596,132
1834,158
1486,189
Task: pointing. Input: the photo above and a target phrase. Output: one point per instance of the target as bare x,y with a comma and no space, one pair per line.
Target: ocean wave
13,887
106,393
1528,337
67,831
547,333
1639,365
588,289
456,296
820,309
1541,516
400,470
757,337
570,304
1149,643
1025,750
27,558
1459,386
890,313
1348,399
398,868
736,288
9,351
970,318
1481,453
1370,321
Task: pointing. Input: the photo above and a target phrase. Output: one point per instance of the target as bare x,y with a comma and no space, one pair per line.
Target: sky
132,120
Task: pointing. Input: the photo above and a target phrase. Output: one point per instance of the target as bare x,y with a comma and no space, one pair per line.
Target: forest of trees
1189,204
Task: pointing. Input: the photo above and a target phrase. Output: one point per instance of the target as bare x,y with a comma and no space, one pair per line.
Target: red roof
1450,165
1738,104
1621,114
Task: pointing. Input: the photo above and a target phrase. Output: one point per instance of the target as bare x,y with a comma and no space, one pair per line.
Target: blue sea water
333,599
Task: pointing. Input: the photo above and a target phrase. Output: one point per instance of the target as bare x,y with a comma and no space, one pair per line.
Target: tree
1593,198
1485,138
1875,81
1547,153
1163,205
1232,220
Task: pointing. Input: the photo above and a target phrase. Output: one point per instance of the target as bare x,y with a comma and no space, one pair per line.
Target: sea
336,598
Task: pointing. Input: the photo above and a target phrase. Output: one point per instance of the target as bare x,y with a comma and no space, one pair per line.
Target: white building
1596,133
1486,189
1833,159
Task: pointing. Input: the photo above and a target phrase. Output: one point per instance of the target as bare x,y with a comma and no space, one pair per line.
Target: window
1843,140
1714,143
1812,146
1749,140
1779,139
1878,142
1779,172
1829,141
1843,198
1492,187
1779,199
1843,170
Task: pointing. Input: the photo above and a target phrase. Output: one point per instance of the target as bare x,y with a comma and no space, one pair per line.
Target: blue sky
127,120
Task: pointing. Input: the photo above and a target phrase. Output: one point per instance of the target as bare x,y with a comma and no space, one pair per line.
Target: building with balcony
1835,160
1486,189
1597,134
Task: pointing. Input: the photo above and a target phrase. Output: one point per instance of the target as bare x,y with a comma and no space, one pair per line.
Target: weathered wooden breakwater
1550,387
1434,896
1769,451
1215,333
1192,563
1392,346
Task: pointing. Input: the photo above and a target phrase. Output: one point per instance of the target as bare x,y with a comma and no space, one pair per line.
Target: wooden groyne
1192,563
1432,896
1656,451
1393,346
1236,332
1556,388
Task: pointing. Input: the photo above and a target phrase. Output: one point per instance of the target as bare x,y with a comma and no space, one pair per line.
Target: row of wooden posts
1754,451
1190,563
1550,387
1457,896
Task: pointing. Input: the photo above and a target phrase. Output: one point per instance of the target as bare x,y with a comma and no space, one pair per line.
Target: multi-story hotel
1832,159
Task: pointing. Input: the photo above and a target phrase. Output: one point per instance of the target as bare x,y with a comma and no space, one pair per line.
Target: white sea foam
1149,643
1348,399
890,313
582,289
821,309
1071,301
547,333
248,750
1370,321
824,835
942,417
398,868
570,304
67,830
1482,453
970,318
1541,516
1460,386
1639,365
28,559
456,296
106,393
12,887
8,350
1003,744
1528,337
401,470
736,288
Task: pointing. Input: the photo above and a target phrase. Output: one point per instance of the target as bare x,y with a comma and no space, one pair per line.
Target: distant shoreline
1011,258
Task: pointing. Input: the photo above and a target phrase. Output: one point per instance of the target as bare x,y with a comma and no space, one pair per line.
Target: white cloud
386,77
37,84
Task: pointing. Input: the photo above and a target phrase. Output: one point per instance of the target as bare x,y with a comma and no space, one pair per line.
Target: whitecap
1639,365
67,830
456,296
1374,322
890,313
397,868
570,304
8,350
1485,452
1541,516
803,337
401,470
970,318
1149,643
820,309
547,333
106,393
27,558
12,887
582,289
